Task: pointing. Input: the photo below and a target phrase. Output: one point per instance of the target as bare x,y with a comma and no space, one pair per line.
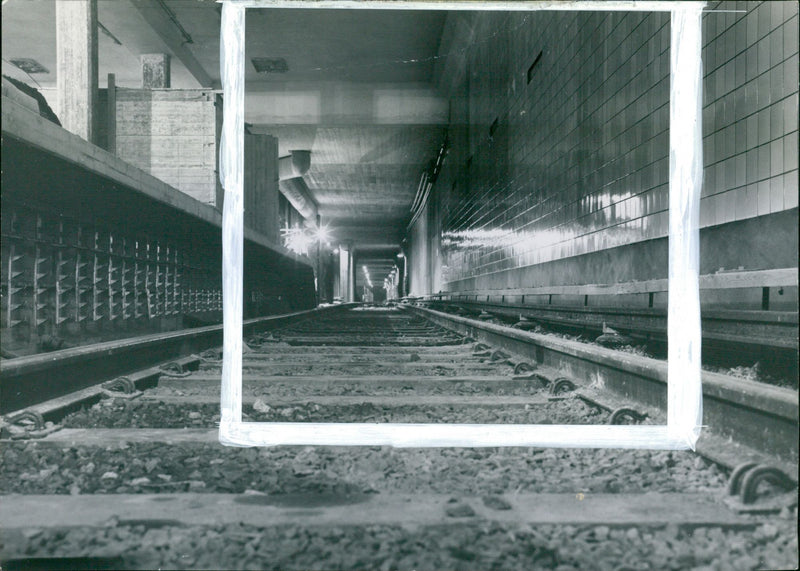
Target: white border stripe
440,435
684,414
685,393
231,167
480,5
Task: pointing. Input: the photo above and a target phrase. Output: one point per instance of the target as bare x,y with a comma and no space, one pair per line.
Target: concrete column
336,274
345,265
319,268
261,184
155,71
111,114
76,64
402,288
351,273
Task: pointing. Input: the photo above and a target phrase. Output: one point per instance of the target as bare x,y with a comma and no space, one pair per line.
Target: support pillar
318,264
336,275
402,289
351,269
346,286
155,71
111,115
76,64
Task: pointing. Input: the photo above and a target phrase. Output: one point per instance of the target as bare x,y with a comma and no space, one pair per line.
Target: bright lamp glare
296,240
322,234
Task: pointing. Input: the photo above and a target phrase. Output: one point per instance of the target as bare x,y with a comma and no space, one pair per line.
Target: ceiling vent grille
29,65
270,65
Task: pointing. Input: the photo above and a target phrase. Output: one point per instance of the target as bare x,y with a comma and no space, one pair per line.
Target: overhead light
270,65
321,234
296,240
29,65
401,255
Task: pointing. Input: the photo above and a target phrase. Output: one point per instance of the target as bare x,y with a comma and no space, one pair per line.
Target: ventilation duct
294,164
296,192
291,169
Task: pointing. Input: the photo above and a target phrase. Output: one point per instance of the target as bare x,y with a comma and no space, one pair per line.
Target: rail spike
624,413
174,369
264,337
499,355
27,424
763,473
122,385
27,417
735,480
524,367
561,385
211,355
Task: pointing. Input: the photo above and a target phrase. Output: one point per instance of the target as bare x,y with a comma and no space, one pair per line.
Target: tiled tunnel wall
557,172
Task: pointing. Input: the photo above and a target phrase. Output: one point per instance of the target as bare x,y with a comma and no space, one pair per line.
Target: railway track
133,475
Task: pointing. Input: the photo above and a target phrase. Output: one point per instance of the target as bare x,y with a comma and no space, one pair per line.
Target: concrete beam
365,210
155,14
76,62
367,241
12,92
327,103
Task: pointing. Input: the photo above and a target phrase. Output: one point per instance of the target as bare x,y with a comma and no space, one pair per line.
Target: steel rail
760,416
775,329
25,381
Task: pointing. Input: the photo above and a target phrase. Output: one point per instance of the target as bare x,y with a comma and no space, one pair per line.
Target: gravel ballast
122,413
41,468
468,546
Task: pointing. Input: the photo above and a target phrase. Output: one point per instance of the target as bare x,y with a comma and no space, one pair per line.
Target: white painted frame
684,393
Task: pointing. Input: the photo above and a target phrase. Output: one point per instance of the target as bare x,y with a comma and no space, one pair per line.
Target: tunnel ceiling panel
355,87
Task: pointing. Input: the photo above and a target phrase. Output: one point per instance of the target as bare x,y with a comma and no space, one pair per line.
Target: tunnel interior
518,159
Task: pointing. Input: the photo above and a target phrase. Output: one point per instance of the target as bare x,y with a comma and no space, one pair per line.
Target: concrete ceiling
29,31
358,92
